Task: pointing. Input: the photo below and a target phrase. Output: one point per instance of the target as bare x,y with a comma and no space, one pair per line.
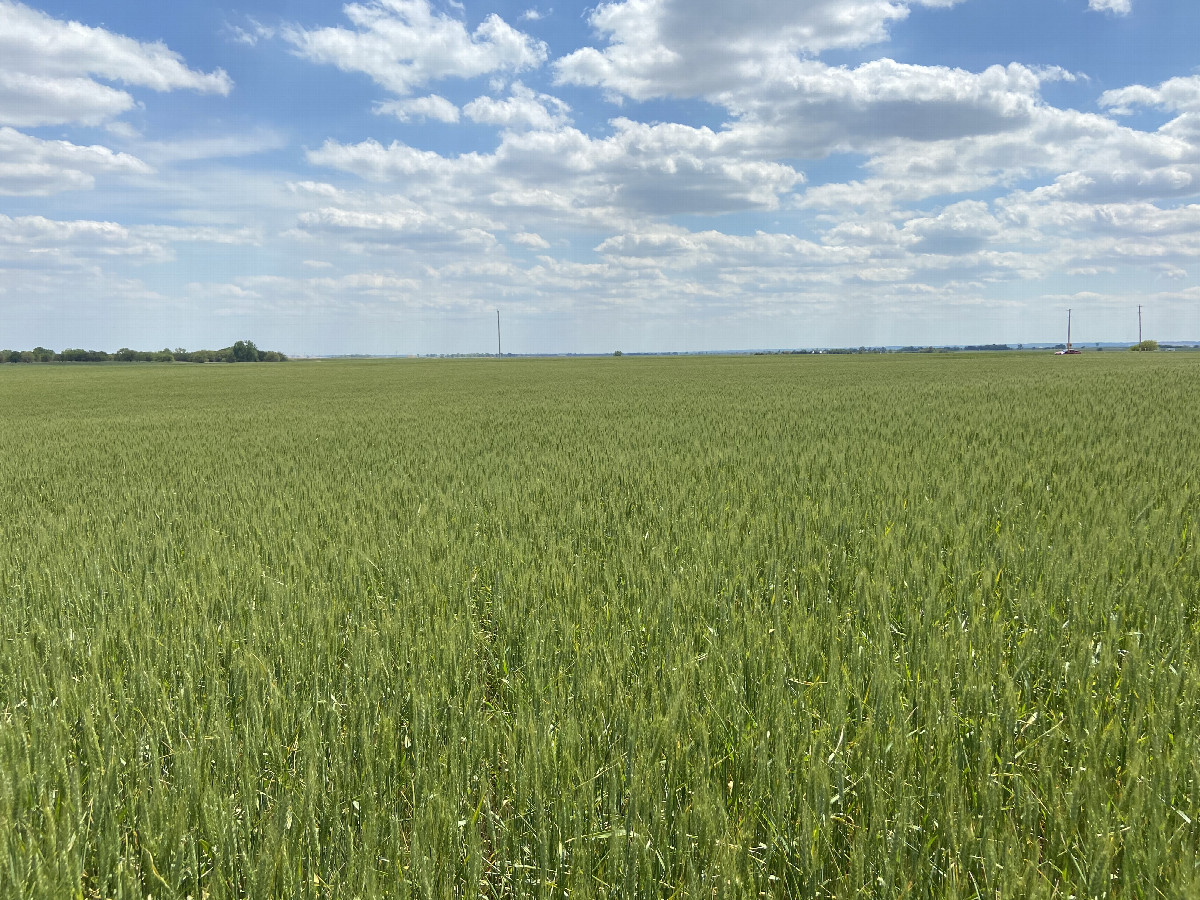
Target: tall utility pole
1068,329
498,354
1139,323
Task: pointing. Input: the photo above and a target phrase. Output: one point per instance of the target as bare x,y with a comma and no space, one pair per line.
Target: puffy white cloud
403,44
1178,94
434,106
1101,157
1120,7
788,105
926,131
644,169
523,109
35,239
916,228
408,227
193,234
701,47
1042,209
32,166
396,224
1125,184
33,42
531,240
374,162
28,101
670,247
34,242
1112,204
48,70
674,168
1084,237
811,109
958,229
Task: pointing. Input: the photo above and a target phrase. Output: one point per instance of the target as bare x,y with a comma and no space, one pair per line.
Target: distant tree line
241,351
842,350
974,348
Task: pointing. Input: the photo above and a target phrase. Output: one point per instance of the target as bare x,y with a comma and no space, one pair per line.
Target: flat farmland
868,626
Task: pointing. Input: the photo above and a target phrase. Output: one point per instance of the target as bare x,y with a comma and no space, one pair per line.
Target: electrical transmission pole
498,353
1139,323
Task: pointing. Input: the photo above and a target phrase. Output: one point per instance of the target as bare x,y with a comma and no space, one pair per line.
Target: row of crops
806,627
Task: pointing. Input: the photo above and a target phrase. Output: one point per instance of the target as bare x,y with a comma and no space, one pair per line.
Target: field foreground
793,627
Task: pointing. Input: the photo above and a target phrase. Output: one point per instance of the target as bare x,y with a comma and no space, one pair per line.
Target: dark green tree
245,351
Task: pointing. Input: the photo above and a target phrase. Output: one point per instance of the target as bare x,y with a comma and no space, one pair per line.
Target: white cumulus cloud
523,109
812,109
531,240
434,107
28,101
409,227
31,41
31,166
404,44
1177,94
700,47
963,227
34,241
639,169
49,70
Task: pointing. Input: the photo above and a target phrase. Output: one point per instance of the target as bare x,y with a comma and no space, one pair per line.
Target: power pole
499,355
1139,323
1068,329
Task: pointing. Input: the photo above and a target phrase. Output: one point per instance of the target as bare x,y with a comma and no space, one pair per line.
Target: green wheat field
869,626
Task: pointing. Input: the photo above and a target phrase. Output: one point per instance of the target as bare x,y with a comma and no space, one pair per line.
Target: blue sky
382,176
